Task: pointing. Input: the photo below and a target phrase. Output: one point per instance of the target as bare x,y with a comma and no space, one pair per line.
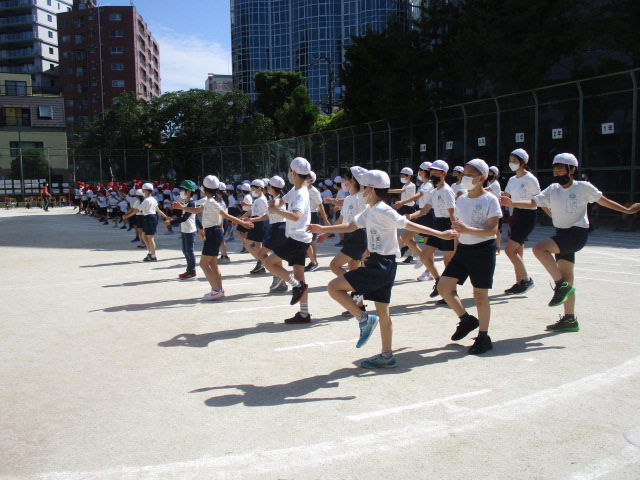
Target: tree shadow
137,307
131,262
143,282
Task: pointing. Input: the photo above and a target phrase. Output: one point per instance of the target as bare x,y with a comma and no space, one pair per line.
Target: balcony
17,20
16,4
20,69
15,122
17,37
22,53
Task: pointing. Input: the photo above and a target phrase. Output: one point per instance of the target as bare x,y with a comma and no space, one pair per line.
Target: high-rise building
104,51
219,83
29,40
303,35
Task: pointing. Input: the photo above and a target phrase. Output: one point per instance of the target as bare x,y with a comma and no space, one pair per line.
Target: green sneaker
564,325
561,293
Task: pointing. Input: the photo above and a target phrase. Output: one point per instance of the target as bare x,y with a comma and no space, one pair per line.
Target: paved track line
415,406
628,456
314,344
269,461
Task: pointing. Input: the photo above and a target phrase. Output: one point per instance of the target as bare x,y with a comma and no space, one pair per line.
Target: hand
408,216
177,205
397,206
322,237
314,228
460,226
201,235
271,203
449,235
634,208
248,224
166,223
506,201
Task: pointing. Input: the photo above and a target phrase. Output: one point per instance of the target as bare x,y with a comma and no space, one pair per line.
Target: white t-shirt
568,205
353,205
424,189
298,201
315,199
124,206
136,205
475,212
495,188
326,194
382,223
78,193
148,206
408,192
249,201
189,225
457,188
102,201
211,215
275,218
523,188
259,207
441,199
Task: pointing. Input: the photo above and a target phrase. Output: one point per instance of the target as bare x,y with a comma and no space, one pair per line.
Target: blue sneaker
379,362
135,240
366,329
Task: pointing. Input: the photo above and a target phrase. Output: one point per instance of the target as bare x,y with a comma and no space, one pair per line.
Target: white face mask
255,193
403,179
467,183
183,195
514,166
290,177
421,177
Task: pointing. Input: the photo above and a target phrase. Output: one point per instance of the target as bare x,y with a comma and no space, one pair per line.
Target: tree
34,165
298,114
256,130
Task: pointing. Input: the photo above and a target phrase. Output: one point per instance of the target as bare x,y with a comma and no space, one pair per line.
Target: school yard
113,369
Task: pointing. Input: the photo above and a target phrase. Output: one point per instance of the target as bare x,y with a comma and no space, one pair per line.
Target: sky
194,38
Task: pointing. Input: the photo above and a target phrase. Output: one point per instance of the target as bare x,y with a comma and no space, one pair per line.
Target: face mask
467,183
562,179
514,166
435,180
491,178
404,179
290,177
421,177
255,194
183,195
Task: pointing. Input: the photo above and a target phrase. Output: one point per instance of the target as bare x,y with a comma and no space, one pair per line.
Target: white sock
293,283
304,309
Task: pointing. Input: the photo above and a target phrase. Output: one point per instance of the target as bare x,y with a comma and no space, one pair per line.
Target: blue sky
194,38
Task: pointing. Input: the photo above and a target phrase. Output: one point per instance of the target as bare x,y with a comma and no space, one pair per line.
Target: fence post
337,148
370,146
535,128
390,152
580,121
464,135
634,134
100,164
21,168
498,131
437,142
48,165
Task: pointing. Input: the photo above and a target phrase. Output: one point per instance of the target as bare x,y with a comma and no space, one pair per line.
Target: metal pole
390,154
370,146
337,147
498,131
464,135
48,165
437,142
580,121
634,135
21,169
100,164
148,164
535,129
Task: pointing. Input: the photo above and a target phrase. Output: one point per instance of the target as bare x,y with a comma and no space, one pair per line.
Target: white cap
246,181
276,181
479,165
425,165
495,170
167,192
148,186
139,192
133,192
440,165
566,159
230,188
245,187
265,181
312,175
300,165
376,179
222,186
358,172
176,190
328,182
257,183
406,171
458,168
338,179
521,154
211,182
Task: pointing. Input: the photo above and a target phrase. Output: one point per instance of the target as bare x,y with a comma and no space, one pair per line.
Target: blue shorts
150,224
569,241
426,221
478,262
407,209
212,241
355,244
522,224
276,237
375,279
256,234
441,224
293,251
315,218
133,221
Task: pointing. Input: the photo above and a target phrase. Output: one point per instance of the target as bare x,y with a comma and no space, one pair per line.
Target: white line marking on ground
315,344
415,406
256,308
628,456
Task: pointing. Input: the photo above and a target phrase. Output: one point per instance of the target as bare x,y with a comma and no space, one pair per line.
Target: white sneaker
425,277
214,295
418,265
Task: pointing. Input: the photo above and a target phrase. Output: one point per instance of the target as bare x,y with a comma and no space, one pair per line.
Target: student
567,199
166,208
442,201
375,279
188,229
255,236
407,192
212,215
521,187
493,184
317,213
294,249
123,207
477,213
245,202
457,187
223,200
149,210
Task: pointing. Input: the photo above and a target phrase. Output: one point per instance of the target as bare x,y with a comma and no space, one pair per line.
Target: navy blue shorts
569,241
212,241
150,224
522,224
276,237
315,218
355,244
256,234
407,210
133,220
426,221
375,279
441,224
478,262
293,252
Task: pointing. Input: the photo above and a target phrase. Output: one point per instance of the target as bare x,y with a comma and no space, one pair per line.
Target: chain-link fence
596,119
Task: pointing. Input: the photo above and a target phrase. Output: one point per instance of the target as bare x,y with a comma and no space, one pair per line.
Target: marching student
477,213
245,201
223,199
493,184
258,212
457,187
523,186
375,279
212,215
188,229
567,199
294,249
317,213
149,210
407,192
123,205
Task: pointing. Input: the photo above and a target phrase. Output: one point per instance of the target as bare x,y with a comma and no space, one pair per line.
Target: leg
514,251
273,263
189,252
566,270
209,265
386,326
447,290
448,256
338,262
426,255
408,239
544,251
151,243
298,274
312,253
339,289
481,297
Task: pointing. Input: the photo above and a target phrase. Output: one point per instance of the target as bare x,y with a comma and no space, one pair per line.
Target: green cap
188,185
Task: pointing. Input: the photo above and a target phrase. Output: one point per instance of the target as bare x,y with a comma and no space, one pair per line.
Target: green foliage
273,89
335,121
298,114
34,164
256,130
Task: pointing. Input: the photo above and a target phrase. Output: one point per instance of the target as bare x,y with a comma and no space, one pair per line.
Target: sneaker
403,251
561,293
168,232
223,260
231,239
214,295
564,325
441,303
142,246
129,229
408,260
366,329
312,267
257,268
135,240
122,228
282,288
258,272
186,275
425,277
521,287
379,362
464,328
244,250
481,345
149,258
418,265
346,313
298,292
434,293
275,283
298,318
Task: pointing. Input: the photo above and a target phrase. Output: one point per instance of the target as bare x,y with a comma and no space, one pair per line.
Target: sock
387,354
465,318
526,279
152,256
304,309
293,283
569,316
559,282
483,334
363,318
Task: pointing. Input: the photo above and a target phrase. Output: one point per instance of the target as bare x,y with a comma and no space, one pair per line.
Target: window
66,22
70,119
68,87
115,33
52,66
68,71
117,83
116,101
78,39
16,88
117,66
49,18
83,104
68,103
66,38
67,54
80,55
50,51
83,120
45,111
115,17
16,116
49,2
15,146
117,50
50,34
